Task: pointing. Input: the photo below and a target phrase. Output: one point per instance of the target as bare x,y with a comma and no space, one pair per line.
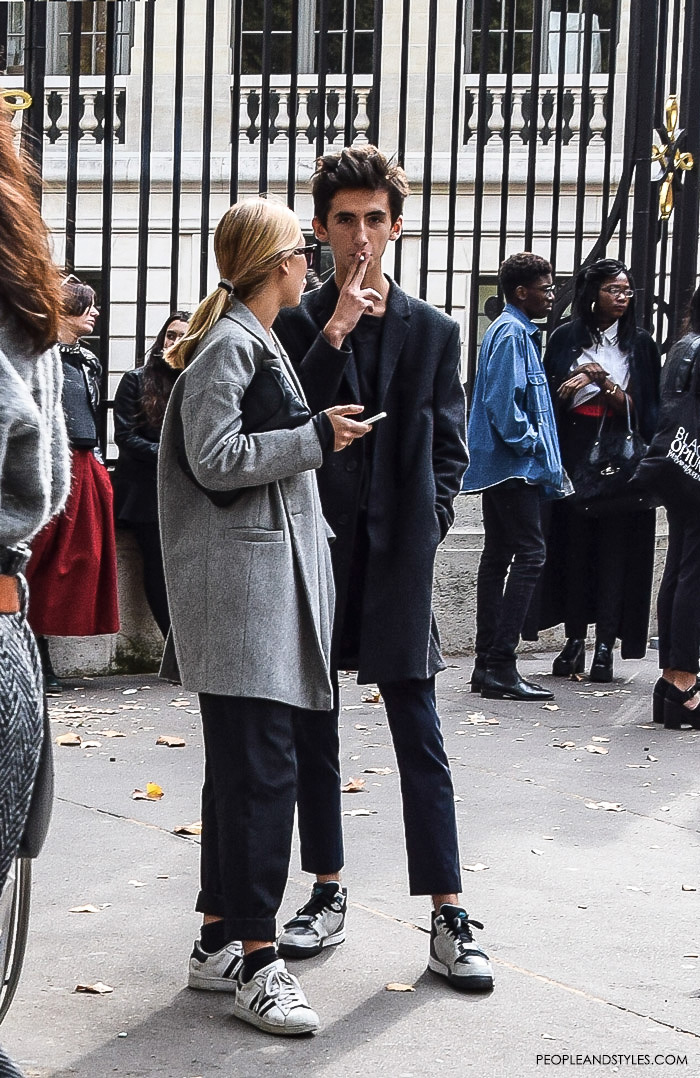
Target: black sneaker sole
477,983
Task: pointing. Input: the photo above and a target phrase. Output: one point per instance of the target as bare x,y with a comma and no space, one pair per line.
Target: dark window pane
281,54
282,15
251,53
253,15
364,15
523,15
336,14
334,54
496,15
523,49
363,54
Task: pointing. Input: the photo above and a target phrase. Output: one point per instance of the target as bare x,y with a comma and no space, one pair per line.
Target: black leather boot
602,665
52,684
571,660
500,684
477,678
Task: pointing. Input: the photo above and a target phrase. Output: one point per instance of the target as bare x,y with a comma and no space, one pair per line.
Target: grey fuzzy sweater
34,461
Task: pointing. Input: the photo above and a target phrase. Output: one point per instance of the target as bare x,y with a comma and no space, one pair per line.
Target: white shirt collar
609,335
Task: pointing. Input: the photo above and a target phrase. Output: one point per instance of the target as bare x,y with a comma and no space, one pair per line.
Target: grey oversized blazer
250,586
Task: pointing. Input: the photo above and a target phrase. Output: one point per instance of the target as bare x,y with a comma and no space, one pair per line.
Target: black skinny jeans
514,548
678,603
148,538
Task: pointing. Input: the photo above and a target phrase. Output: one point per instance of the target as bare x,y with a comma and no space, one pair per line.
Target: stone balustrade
544,120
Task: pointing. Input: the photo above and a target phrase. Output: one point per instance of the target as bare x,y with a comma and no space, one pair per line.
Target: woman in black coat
676,700
139,407
600,570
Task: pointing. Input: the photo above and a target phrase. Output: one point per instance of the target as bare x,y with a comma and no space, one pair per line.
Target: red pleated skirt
72,573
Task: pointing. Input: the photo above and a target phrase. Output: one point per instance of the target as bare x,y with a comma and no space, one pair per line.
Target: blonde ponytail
211,309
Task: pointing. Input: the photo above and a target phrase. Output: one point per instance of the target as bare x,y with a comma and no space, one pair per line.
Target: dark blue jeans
430,825
511,563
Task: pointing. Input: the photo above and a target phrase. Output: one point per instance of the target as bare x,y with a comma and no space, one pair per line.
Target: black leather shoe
477,679
675,712
571,660
657,699
511,686
602,665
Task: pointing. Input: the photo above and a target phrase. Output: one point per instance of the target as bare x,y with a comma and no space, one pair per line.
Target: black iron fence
522,125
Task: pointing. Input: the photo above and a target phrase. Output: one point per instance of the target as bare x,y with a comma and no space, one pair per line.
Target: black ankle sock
256,960
213,936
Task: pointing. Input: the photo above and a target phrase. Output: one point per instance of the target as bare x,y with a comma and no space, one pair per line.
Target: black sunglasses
308,252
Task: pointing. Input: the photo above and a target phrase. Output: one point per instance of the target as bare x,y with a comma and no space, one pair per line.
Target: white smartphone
373,418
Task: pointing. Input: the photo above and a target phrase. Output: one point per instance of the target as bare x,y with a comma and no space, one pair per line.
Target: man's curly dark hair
521,269
357,166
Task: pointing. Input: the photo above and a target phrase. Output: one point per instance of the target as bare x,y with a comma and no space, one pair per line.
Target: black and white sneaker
318,924
453,953
273,1000
215,972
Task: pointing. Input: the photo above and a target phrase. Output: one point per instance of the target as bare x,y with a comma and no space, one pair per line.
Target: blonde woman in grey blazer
250,590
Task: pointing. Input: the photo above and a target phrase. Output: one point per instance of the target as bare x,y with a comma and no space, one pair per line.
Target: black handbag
601,479
671,467
269,403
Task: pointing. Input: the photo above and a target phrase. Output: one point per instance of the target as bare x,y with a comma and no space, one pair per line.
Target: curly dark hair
357,166
521,269
158,376
587,287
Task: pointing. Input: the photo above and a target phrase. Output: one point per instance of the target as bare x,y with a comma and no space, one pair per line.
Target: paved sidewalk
591,914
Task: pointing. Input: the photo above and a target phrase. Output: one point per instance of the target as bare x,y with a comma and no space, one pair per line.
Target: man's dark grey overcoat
418,460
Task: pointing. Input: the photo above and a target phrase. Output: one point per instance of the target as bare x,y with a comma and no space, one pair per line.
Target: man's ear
396,228
521,293
320,231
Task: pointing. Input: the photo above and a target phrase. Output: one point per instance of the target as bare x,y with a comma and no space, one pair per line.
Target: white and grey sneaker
453,953
318,924
273,1000
215,972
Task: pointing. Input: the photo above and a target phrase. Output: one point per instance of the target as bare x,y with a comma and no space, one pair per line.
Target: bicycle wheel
14,927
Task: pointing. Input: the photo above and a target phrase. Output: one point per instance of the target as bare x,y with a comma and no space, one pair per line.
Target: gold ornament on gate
16,100
668,158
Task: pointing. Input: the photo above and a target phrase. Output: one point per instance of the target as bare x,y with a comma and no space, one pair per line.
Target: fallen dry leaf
597,750
99,988
372,696
171,741
688,887
136,883
353,707
180,703
609,806
378,771
479,719
89,908
599,739
69,739
478,867
188,829
654,759
153,792
361,726
110,733
360,812
538,852
129,692
92,744
564,745
396,986
353,786
550,707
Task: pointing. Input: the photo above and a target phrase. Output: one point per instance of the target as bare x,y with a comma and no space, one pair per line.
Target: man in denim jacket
515,463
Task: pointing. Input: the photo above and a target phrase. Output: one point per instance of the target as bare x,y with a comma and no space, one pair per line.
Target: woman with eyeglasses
139,407
250,591
599,571
72,573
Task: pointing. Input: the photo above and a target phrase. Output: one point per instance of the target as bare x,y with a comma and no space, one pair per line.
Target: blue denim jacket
512,433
